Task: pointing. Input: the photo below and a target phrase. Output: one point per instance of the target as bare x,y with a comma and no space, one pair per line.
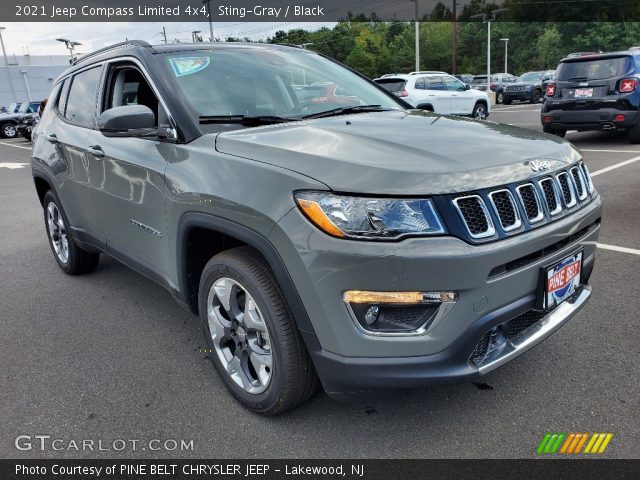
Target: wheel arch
43,185
201,235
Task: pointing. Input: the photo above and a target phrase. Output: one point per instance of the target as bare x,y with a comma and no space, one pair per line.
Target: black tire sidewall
2,127
257,402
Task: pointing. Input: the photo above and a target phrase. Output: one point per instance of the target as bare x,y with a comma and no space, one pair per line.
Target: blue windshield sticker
188,65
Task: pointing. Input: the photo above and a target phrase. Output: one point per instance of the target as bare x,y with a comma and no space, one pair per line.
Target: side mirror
128,121
467,86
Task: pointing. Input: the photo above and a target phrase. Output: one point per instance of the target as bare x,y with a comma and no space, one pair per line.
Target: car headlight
370,218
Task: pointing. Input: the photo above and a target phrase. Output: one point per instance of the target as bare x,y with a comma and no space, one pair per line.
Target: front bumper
349,360
522,95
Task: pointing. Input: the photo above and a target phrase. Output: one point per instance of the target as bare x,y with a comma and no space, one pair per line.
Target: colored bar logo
574,443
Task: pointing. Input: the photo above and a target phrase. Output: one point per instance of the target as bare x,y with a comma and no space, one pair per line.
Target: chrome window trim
554,187
574,201
149,80
491,230
540,215
518,222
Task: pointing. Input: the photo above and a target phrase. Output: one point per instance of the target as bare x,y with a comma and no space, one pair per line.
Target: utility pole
417,22
6,63
506,44
488,21
208,3
454,39
164,34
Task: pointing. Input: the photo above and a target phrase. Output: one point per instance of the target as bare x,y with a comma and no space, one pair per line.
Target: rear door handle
52,138
95,151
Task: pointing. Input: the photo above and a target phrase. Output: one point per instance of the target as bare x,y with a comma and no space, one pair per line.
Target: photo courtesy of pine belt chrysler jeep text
325,232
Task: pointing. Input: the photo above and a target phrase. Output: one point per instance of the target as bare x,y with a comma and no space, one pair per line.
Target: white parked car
437,92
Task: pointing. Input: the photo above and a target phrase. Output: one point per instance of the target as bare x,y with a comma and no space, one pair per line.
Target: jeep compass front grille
503,211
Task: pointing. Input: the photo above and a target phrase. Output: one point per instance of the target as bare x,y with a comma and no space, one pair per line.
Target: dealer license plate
584,92
562,280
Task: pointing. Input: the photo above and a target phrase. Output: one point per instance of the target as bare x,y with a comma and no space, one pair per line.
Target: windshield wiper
250,120
346,110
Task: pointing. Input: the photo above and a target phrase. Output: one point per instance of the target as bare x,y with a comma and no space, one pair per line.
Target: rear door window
597,69
434,83
82,97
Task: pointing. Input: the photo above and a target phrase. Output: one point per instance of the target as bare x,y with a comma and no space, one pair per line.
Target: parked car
548,77
437,92
465,78
479,82
498,82
595,92
528,88
25,127
9,121
359,247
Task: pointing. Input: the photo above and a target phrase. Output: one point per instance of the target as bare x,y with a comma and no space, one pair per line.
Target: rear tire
633,133
552,131
260,356
71,259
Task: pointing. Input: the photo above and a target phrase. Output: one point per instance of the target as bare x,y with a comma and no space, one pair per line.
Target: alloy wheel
481,113
57,233
9,131
239,335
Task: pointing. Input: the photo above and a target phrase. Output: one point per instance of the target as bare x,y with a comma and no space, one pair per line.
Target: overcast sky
39,38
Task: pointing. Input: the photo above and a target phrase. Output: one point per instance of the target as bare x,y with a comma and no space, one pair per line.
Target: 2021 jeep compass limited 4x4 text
338,239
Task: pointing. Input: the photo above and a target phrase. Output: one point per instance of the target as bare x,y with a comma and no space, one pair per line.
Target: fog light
547,119
397,312
619,118
372,315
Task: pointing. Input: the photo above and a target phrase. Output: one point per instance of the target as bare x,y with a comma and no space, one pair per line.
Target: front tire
480,111
8,130
535,97
71,259
255,344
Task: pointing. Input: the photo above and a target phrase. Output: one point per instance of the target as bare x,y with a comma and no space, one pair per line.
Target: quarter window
82,97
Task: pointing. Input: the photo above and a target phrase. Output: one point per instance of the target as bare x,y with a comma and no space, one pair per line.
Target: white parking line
617,165
500,110
16,146
618,249
608,151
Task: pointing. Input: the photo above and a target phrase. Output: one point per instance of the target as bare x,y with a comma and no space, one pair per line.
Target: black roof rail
129,43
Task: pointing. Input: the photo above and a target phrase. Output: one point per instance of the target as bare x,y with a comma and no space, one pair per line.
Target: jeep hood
395,153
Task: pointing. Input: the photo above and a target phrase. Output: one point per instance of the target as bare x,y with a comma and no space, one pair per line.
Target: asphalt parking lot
112,356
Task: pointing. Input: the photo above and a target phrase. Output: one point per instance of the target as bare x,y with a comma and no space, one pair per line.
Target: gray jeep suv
333,238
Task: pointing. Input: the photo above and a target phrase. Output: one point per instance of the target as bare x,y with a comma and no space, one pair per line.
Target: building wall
39,78
41,71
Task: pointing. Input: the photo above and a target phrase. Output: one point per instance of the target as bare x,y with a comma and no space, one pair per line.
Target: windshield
531,76
255,81
593,69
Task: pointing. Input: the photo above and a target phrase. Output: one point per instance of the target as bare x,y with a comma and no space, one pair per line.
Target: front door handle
95,151
52,138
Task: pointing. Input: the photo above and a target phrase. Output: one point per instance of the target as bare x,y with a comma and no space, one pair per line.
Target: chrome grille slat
566,187
475,216
579,183
505,207
587,177
550,194
530,201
